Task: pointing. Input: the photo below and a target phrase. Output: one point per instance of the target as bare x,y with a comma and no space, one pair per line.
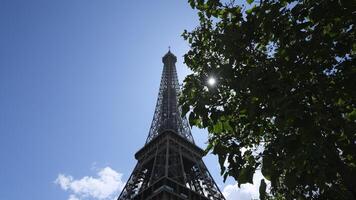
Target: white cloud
106,185
73,197
247,191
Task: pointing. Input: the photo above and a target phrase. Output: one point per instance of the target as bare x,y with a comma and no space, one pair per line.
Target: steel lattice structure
167,113
170,165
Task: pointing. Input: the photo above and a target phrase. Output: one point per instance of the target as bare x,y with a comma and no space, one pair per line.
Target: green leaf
267,167
246,175
352,115
218,127
227,126
249,1
222,160
262,189
208,148
192,3
249,11
195,120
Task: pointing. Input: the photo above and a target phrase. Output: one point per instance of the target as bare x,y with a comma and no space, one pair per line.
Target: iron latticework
170,165
167,113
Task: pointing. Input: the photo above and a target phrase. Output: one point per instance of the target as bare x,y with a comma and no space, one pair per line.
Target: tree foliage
284,98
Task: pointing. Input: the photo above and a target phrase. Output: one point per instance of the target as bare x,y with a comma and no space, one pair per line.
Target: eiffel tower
170,165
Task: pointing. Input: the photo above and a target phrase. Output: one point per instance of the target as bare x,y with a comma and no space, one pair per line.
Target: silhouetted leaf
249,1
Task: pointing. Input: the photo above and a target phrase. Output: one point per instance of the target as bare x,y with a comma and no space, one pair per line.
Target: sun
211,81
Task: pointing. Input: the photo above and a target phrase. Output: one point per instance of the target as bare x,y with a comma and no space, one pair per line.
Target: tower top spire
168,114
169,58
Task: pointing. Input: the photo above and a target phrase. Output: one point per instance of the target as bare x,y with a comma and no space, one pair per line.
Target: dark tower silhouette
170,165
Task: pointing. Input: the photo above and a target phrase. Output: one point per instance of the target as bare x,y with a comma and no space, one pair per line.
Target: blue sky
78,86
